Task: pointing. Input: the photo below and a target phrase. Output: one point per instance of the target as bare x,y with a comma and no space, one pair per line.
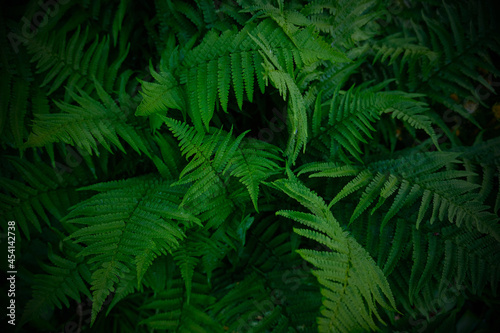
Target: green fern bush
252,166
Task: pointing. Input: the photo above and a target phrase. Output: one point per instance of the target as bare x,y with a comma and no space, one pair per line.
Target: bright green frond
352,284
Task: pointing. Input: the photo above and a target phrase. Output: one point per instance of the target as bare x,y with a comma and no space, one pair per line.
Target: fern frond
345,273
439,58
65,278
18,109
87,125
231,59
253,163
126,286
126,227
436,258
118,20
161,95
391,47
485,157
216,157
185,258
285,84
139,189
347,22
72,64
351,114
202,170
43,193
255,308
418,176
173,313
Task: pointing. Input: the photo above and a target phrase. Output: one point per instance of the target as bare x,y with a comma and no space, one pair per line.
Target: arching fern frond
87,125
393,46
441,58
206,173
253,163
352,284
231,59
76,63
434,257
286,85
127,225
216,157
418,176
351,114
163,95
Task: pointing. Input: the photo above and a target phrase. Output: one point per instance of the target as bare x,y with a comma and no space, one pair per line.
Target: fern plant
252,165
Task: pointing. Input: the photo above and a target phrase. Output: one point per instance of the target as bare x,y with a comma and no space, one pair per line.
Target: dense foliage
252,166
